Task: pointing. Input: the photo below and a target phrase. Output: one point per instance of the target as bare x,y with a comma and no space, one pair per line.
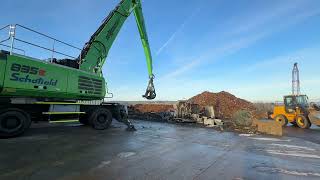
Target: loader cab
292,102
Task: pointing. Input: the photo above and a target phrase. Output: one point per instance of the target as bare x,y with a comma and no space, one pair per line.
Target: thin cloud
180,28
234,46
271,62
291,57
268,15
214,54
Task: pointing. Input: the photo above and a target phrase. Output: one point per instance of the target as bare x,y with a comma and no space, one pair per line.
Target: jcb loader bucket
314,117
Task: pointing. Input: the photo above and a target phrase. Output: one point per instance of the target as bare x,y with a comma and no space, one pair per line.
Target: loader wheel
100,119
13,122
303,122
281,119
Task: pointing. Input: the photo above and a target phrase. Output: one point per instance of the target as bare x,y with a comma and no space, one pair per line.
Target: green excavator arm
95,51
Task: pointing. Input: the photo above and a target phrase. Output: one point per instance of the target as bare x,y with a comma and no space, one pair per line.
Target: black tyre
13,122
100,119
281,119
303,122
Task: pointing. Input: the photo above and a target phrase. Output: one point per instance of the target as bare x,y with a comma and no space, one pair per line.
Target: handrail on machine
12,37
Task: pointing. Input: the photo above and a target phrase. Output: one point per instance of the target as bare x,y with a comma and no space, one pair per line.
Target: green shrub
243,118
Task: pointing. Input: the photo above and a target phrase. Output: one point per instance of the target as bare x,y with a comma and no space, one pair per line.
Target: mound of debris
217,110
224,103
152,112
156,108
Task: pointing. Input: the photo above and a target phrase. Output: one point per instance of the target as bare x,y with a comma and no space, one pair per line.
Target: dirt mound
156,108
150,112
224,103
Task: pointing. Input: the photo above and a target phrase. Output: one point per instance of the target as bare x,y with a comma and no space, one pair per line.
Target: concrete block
209,122
204,119
194,116
209,112
199,120
218,122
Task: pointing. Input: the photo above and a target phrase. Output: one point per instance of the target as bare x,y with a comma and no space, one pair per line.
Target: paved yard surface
157,151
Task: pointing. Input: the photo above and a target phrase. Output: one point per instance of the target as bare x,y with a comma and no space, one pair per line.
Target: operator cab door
290,104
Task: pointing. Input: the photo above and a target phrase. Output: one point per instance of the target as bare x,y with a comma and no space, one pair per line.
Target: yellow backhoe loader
296,110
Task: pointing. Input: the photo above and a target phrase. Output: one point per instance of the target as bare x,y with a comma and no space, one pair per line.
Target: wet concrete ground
312,134
157,151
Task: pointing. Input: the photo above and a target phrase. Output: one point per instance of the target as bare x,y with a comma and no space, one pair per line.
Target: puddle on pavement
294,147
103,164
293,153
126,154
268,169
246,135
269,139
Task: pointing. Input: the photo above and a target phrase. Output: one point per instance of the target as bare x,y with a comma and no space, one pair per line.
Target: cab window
289,101
302,100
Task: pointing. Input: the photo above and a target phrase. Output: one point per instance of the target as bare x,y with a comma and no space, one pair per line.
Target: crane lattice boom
295,80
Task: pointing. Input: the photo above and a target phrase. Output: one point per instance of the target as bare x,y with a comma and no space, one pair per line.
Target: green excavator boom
95,51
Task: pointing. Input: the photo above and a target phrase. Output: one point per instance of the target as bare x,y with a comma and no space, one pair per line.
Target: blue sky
245,47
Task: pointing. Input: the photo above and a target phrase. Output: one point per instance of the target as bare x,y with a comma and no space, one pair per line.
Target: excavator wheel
13,122
303,122
281,119
100,119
